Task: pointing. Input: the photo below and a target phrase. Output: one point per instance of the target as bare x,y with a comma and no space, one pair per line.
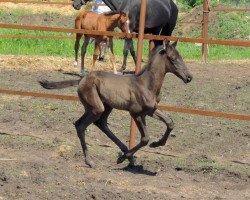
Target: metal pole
138,63
205,30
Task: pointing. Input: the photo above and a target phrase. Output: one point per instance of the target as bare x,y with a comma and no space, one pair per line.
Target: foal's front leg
157,114
141,124
111,54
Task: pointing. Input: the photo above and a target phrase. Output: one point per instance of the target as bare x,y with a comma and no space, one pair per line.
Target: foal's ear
166,44
123,14
175,43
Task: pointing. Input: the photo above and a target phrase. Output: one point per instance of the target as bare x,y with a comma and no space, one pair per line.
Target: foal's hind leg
81,125
111,54
103,126
84,49
157,114
96,52
141,124
77,45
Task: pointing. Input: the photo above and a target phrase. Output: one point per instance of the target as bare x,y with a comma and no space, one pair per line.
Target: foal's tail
58,85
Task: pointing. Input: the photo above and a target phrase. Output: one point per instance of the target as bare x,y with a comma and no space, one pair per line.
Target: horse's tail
58,85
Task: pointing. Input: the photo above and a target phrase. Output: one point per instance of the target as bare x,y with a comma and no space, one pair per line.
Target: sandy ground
205,157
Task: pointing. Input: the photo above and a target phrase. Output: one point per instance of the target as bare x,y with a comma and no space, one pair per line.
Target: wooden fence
204,40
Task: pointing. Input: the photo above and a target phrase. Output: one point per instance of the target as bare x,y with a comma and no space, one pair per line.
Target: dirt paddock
205,157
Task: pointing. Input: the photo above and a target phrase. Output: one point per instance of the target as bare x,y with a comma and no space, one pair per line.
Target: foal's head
78,3
118,18
173,61
123,22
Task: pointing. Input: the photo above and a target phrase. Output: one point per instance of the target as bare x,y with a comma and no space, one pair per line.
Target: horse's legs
125,55
84,48
93,110
128,45
141,124
102,124
102,48
157,114
77,45
96,53
81,125
111,54
132,50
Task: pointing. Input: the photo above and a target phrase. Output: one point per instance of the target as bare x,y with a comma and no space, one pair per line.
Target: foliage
192,3
226,26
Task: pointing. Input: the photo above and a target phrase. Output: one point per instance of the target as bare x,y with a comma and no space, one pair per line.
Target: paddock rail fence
204,40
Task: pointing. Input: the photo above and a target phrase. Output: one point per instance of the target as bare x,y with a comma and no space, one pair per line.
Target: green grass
228,26
65,47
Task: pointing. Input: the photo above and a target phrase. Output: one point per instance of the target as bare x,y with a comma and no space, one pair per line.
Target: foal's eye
173,59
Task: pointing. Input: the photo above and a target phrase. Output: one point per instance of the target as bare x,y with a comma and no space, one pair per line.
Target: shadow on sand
138,169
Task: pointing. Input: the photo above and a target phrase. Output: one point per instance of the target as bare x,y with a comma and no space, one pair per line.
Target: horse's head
123,22
78,3
174,61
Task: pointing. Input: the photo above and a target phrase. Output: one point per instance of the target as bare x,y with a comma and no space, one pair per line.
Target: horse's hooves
118,73
90,163
123,67
121,159
101,59
132,161
154,144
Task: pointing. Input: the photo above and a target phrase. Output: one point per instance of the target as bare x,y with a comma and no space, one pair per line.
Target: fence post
138,63
205,30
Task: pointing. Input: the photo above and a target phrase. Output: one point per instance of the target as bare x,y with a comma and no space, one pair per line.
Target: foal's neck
153,77
112,22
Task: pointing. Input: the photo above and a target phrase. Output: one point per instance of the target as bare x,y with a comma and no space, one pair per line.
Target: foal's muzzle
189,78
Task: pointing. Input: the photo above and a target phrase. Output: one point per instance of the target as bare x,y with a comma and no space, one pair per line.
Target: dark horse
161,16
100,92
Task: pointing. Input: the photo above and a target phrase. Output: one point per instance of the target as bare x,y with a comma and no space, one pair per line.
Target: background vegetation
223,25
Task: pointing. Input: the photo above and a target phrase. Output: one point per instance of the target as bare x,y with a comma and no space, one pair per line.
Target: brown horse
100,92
90,20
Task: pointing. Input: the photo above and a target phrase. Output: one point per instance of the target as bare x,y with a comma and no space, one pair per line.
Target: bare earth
205,157
41,157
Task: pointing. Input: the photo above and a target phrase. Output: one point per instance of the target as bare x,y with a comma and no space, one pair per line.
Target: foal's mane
151,56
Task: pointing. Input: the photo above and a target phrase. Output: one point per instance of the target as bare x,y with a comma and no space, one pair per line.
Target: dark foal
89,20
100,92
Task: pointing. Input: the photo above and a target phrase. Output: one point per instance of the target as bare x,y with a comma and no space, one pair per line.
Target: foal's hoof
90,163
118,73
157,144
121,159
123,67
75,65
154,144
101,59
132,161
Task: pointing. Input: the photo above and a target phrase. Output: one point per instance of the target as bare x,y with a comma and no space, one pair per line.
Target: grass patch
226,26
65,47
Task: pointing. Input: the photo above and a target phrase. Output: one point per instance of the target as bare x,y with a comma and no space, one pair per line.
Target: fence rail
161,107
63,3
124,35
